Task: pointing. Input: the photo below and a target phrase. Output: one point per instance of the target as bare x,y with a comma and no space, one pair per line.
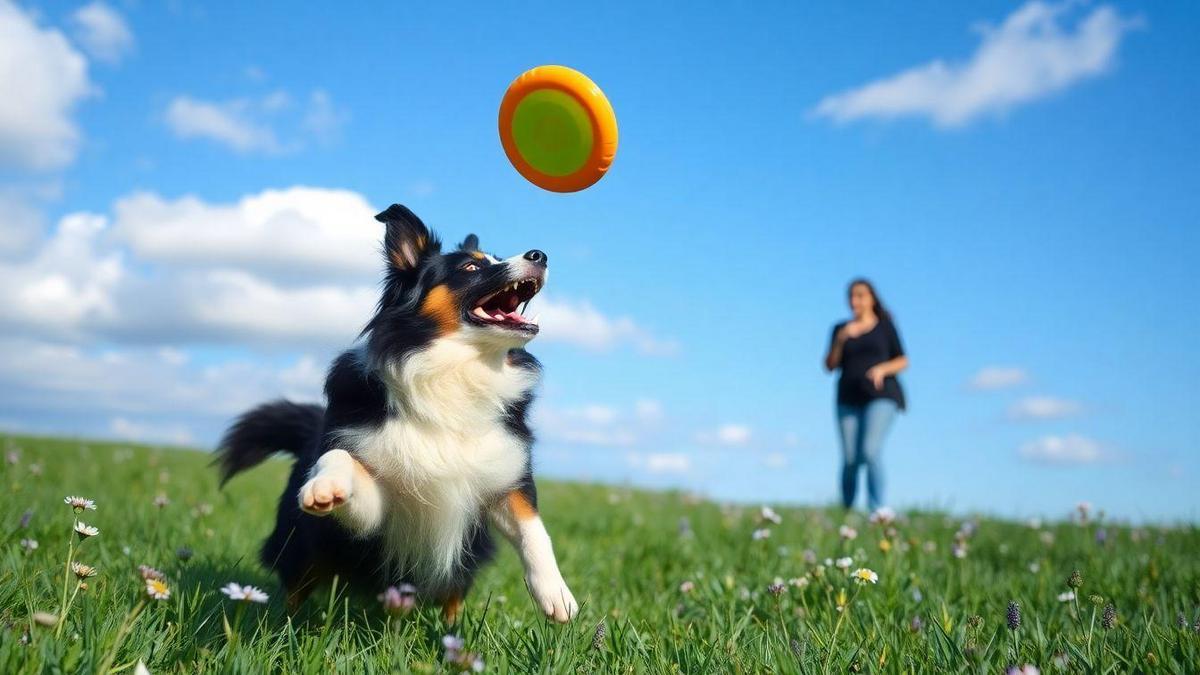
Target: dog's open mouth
500,308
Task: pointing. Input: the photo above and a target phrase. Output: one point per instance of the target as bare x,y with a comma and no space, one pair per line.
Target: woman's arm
833,358
888,368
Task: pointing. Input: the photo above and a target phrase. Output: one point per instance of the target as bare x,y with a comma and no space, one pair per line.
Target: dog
424,439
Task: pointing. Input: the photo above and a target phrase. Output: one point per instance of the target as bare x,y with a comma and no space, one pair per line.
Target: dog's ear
407,241
471,243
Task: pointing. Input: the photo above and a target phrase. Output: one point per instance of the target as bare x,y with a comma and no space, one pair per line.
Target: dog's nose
536,256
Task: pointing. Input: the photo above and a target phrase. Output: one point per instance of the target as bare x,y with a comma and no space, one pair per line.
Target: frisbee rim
594,103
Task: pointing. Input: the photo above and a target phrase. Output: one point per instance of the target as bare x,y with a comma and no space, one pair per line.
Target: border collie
423,440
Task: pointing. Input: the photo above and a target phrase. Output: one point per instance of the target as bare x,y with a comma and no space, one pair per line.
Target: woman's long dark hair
880,310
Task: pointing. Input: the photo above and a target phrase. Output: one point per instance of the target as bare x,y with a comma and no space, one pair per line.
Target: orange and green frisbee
558,129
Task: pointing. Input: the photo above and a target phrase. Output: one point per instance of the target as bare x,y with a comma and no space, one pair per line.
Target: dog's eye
470,267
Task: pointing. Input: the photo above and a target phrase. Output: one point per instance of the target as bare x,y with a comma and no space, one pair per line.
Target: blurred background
187,192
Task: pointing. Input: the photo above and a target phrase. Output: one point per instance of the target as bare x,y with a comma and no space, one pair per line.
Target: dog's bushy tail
269,428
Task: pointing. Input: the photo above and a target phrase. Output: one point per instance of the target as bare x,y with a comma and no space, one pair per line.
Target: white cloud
592,424
1063,450
648,410
727,434
775,460
139,383
102,32
65,284
323,119
295,267
42,78
581,324
82,285
250,125
303,378
997,377
142,432
293,233
660,462
172,356
597,424
227,123
1039,49
21,224
598,414
1043,408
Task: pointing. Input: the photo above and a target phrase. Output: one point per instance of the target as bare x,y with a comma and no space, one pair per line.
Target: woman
867,349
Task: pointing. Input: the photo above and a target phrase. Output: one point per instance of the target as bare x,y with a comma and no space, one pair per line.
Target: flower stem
62,608
787,639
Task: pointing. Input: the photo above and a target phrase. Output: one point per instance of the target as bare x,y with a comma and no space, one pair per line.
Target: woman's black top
859,354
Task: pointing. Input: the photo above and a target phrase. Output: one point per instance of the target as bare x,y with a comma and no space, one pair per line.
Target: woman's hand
877,374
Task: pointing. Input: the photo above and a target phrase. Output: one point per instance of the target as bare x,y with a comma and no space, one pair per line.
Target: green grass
625,555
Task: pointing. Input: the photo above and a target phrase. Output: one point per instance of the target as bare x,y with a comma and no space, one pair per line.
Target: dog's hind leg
452,609
340,485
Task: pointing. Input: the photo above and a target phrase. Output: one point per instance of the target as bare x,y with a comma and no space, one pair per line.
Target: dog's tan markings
520,506
398,260
452,609
441,306
478,256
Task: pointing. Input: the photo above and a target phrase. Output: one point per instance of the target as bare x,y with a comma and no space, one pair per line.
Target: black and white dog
423,441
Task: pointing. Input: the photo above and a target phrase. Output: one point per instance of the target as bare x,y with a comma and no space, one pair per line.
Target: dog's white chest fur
445,455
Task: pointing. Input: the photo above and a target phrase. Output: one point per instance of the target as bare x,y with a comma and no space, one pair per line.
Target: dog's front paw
551,594
322,494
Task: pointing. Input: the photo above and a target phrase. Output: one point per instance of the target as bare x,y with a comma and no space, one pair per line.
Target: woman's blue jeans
863,429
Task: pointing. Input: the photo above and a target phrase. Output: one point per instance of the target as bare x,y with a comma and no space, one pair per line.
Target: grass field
678,584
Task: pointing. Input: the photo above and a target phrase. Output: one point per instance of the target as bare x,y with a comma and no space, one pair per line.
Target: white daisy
761,534
848,532
768,514
863,575
844,563
84,530
244,593
157,589
1066,597
453,646
883,515
79,503
29,544
83,571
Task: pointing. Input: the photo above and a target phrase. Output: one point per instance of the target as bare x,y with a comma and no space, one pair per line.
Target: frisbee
558,129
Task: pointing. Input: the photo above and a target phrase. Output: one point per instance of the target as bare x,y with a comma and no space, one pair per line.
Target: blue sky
187,191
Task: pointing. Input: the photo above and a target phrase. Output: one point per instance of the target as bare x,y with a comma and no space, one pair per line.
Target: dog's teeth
481,314
535,318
